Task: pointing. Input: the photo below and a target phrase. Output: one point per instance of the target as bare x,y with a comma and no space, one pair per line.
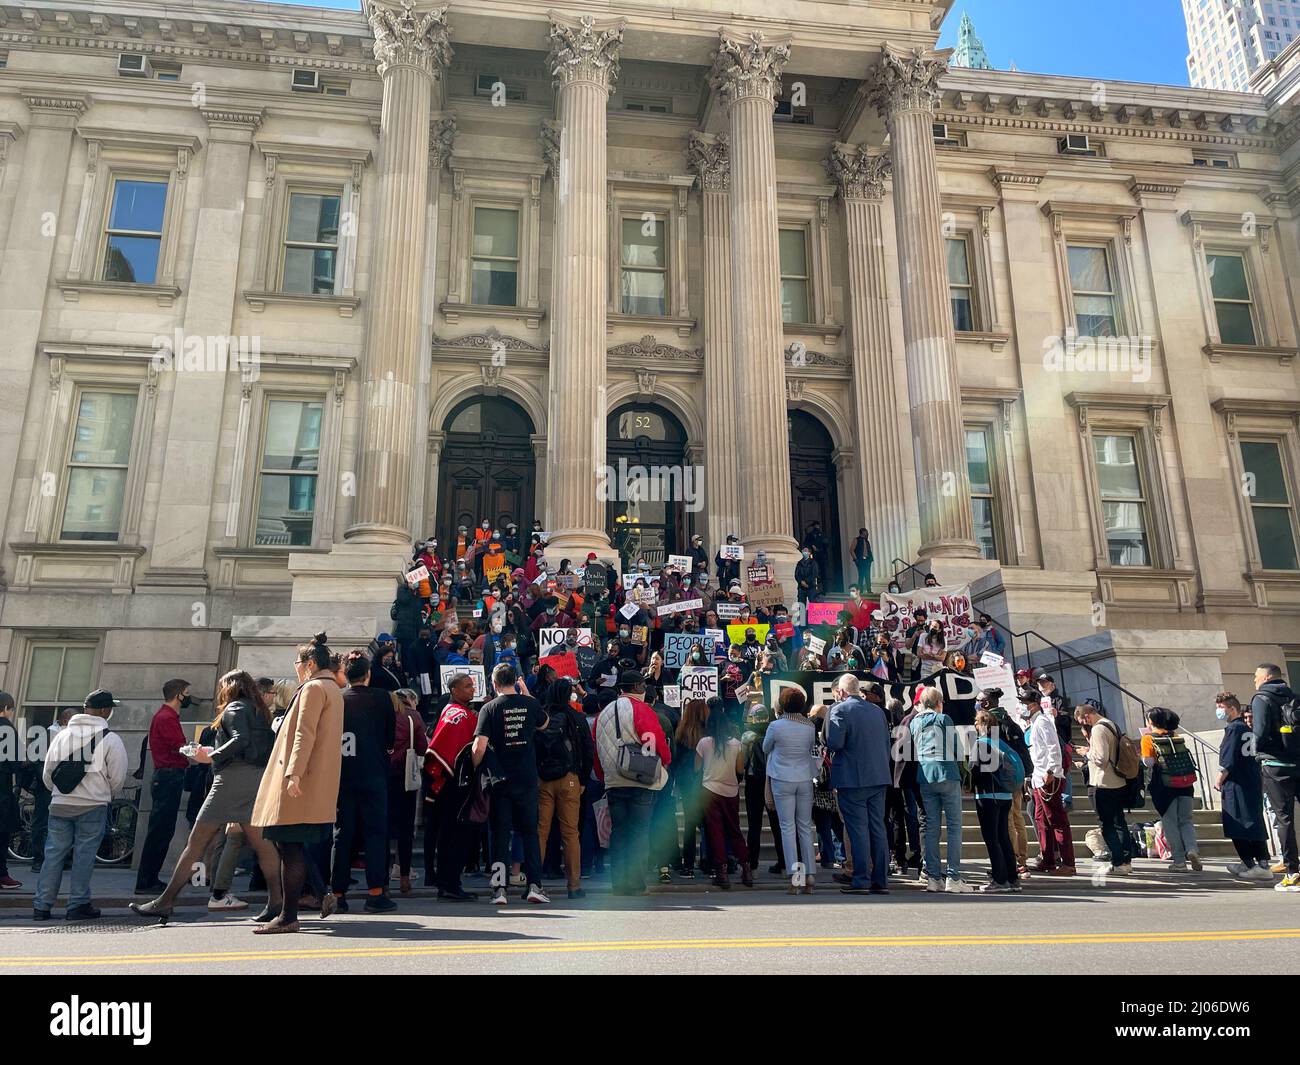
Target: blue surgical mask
1221,713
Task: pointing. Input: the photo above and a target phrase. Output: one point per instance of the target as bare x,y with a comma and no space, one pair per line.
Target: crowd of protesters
531,719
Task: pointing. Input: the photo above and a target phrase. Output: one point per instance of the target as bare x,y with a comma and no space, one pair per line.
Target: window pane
138,205
1095,316
1228,277
643,292
94,507
640,249
313,218
1263,460
794,301
1117,471
982,516
292,435
285,509
78,668
1126,534
794,255
496,232
309,271
1235,323
977,462
105,421
1276,537
963,314
43,677
133,260
1089,270
494,282
958,263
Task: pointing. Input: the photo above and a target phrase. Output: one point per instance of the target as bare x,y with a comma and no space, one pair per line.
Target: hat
1044,676
731,538
385,637
1022,673
1030,695
734,586
511,525
100,699
631,680
591,556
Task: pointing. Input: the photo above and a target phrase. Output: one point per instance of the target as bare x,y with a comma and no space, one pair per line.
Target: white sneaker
536,894
499,897
1122,870
227,902
933,884
1177,867
1258,872
957,887
1290,882
395,873
517,879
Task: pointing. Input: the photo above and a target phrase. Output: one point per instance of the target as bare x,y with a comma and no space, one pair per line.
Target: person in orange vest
462,541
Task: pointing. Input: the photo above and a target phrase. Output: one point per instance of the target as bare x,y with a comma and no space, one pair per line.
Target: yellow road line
634,945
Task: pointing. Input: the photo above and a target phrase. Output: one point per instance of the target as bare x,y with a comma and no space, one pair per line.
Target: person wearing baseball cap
727,569
1050,818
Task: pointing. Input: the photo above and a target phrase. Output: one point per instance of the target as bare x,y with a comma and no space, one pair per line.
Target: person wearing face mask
807,576
932,648
166,738
699,557
1243,793
728,569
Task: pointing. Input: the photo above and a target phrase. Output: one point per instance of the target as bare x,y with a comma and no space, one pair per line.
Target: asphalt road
1156,924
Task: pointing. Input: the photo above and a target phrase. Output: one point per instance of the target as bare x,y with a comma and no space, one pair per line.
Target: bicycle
115,848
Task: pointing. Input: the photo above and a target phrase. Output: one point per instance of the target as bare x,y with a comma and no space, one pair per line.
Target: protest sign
996,676
556,639
445,673
736,633
415,576
567,581
494,564
727,610
815,645
593,579
765,595
565,665
680,607
677,646
958,690
785,630
951,606
698,682
824,613
640,635
680,562
628,610
991,658
731,552
759,574
672,695
587,658
719,643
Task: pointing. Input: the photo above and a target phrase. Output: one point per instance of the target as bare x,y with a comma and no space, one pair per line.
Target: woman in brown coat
298,798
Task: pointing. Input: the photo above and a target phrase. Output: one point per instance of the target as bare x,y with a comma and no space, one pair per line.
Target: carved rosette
907,80
711,161
857,173
549,135
405,37
442,141
585,50
746,68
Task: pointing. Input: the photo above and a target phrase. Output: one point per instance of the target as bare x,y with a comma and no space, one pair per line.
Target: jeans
794,812
829,838
864,575
515,811
863,810
166,789
1280,787
1180,831
629,838
994,816
363,806
1109,804
945,798
81,834
561,798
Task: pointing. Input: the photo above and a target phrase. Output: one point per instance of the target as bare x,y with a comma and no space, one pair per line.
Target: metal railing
910,572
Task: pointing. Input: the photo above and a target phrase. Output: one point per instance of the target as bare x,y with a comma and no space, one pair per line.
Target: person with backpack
1173,786
1056,857
84,767
1013,735
934,738
564,755
997,777
1276,713
1109,783
242,747
1243,795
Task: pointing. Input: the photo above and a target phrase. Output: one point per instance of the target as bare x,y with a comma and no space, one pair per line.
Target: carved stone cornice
649,348
48,103
907,80
490,342
710,158
407,37
856,172
442,141
1015,179
583,49
549,134
242,121
798,356
745,67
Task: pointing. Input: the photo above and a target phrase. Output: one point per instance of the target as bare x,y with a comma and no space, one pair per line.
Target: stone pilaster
584,62
904,87
708,157
411,49
746,74
860,178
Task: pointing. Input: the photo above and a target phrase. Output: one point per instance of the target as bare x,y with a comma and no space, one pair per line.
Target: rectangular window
1091,281
1233,306
1271,505
979,466
494,266
97,466
1123,498
311,243
286,494
644,269
961,288
794,275
134,233
57,676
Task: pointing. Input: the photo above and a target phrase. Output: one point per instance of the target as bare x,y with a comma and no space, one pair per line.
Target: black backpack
72,770
557,754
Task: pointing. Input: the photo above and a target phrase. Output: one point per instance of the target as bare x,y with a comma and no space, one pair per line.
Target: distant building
1228,40
970,49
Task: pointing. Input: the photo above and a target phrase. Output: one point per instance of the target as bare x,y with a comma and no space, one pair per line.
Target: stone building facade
283,287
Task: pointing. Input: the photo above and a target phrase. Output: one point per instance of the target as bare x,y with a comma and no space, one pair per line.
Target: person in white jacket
1055,840
78,817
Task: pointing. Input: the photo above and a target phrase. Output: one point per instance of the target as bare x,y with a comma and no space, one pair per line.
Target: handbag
411,771
633,761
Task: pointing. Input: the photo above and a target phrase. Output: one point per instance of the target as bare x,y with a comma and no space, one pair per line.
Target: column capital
442,141
583,49
748,66
710,158
906,79
409,35
856,172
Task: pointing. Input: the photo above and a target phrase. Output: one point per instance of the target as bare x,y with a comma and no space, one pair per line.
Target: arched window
649,482
488,468
814,493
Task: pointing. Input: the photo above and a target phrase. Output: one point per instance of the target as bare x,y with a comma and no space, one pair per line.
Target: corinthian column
860,178
747,76
584,63
411,49
709,159
905,90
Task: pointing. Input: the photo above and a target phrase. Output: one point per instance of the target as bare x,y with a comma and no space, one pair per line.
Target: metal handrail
905,567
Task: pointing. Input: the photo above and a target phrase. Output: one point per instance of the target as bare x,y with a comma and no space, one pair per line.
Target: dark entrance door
488,469
646,436
813,489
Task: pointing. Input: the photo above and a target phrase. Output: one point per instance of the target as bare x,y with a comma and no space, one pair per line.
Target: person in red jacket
447,766
166,738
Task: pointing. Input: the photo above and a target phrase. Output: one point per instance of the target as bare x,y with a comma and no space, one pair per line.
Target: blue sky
1057,37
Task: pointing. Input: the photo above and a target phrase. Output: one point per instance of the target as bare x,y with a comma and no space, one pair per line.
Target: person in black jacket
243,740
565,753
728,569
699,557
807,576
1277,747
1014,737
10,765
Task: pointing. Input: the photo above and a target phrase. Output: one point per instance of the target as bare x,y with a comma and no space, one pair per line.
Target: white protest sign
951,606
415,576
557,640
989,658
681,562
476,672
680,607
731,552
628,610
728,610
698,682
1000,676
672,695
815,645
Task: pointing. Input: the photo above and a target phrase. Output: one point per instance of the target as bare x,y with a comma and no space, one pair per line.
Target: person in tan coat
298,798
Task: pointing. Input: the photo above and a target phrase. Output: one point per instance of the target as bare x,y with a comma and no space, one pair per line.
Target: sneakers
536,894
1194,860
1178,867
953,886
996,889
227,902
933,884
87,912
379,904
8,883
1258,872
1290,882
1279,869
665,875
499,897
39,914
1120,870
517,879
